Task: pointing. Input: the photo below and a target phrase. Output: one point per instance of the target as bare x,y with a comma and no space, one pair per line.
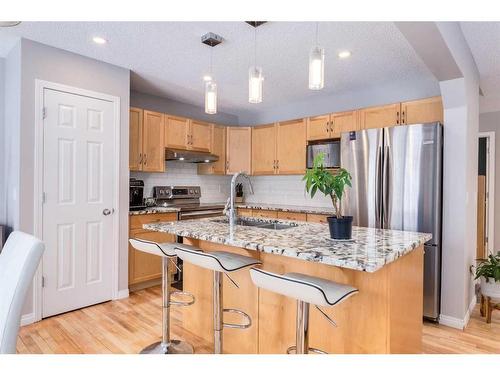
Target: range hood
189,156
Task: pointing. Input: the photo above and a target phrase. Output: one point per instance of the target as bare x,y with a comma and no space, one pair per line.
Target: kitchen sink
258,224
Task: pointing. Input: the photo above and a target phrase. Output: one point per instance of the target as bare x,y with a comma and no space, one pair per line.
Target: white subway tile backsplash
288,190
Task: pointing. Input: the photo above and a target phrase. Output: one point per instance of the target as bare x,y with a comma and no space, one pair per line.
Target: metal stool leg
167,346
218,312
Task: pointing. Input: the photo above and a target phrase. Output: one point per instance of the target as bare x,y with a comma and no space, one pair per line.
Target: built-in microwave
330,149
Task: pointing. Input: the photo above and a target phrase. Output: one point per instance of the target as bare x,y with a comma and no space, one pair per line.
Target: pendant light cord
317,27
255,47
211,53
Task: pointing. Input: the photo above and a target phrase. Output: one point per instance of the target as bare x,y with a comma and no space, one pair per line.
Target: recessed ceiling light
99,40
344,54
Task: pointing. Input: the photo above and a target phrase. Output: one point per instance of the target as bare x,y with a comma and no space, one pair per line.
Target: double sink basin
258,224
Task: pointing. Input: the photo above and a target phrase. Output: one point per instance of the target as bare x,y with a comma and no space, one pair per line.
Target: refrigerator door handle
378,187
386,187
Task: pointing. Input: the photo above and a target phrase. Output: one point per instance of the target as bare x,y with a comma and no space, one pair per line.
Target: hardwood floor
128,325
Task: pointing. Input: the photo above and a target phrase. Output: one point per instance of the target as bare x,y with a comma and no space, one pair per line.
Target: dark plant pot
340,229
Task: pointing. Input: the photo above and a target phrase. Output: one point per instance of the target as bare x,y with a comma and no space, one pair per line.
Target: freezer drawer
432,281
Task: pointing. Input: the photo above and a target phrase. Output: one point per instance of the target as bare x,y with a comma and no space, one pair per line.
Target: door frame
490,178
40,86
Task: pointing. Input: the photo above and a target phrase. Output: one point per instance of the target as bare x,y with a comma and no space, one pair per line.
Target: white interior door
78,184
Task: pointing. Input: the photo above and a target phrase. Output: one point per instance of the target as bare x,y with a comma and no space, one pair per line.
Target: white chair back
19,260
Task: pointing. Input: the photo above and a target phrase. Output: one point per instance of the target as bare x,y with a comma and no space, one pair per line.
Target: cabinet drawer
316,218
292,216
245,212
265,213
137,221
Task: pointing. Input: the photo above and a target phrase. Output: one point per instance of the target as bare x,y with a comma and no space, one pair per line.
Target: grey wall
42,62
164,105
392,92
3,213
490,122
11,151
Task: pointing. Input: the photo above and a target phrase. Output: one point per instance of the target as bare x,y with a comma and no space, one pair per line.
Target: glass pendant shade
317,68
211,97
255,79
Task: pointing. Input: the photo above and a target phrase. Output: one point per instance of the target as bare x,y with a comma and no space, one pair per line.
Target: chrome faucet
232,211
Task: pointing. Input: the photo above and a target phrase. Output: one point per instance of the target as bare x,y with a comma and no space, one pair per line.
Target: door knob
106,212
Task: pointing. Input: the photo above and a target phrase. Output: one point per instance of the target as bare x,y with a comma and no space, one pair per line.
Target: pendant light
255,77
211,40
211,91
316,65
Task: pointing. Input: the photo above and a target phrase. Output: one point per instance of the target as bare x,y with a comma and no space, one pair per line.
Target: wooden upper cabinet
218,147
264,150
318,127
380,117
422,111
238,149
291,146
343,122
152,145
199,136
135,139
176,132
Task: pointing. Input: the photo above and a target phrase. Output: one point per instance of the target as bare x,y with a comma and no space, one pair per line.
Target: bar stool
306,290
220,262
167,252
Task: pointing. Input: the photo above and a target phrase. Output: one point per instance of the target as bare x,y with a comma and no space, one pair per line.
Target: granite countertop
154,210
288,208
370,250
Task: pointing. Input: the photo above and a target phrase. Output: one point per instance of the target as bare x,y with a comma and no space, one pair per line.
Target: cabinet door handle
403,119
397,117
145,159
326,126
331,126
140,158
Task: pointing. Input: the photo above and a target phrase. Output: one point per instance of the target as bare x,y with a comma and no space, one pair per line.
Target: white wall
214,188
490,122
287,190
38,61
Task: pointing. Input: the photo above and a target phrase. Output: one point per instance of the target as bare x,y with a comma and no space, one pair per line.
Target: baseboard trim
122,294
27,319
451,321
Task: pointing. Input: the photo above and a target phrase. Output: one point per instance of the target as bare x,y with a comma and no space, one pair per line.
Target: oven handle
193,214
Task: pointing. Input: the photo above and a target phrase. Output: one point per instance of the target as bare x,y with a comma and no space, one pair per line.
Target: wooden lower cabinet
265,214
384,317
287,215
145,267
248,212
317,218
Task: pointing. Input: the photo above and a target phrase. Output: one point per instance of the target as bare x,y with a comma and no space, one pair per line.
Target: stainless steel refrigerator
397,184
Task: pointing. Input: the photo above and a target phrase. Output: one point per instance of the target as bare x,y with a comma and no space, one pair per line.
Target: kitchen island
385,265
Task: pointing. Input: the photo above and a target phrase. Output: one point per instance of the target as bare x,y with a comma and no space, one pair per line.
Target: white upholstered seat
219,261
302,287
19,260
166,249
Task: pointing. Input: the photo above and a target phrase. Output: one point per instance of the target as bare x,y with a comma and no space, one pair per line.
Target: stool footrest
182,303
311,350
238,326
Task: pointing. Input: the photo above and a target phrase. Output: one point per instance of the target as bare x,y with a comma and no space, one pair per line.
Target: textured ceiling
484,41
167,58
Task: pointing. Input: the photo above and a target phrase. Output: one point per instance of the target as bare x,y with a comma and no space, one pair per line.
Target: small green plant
333,185
489,268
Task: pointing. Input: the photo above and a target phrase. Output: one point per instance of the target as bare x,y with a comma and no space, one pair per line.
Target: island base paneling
384,317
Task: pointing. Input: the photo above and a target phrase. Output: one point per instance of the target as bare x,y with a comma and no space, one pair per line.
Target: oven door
200,214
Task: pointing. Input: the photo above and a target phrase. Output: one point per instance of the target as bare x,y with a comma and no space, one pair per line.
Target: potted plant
489,272
332,185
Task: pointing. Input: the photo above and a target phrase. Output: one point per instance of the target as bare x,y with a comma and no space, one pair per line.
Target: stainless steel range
187,200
